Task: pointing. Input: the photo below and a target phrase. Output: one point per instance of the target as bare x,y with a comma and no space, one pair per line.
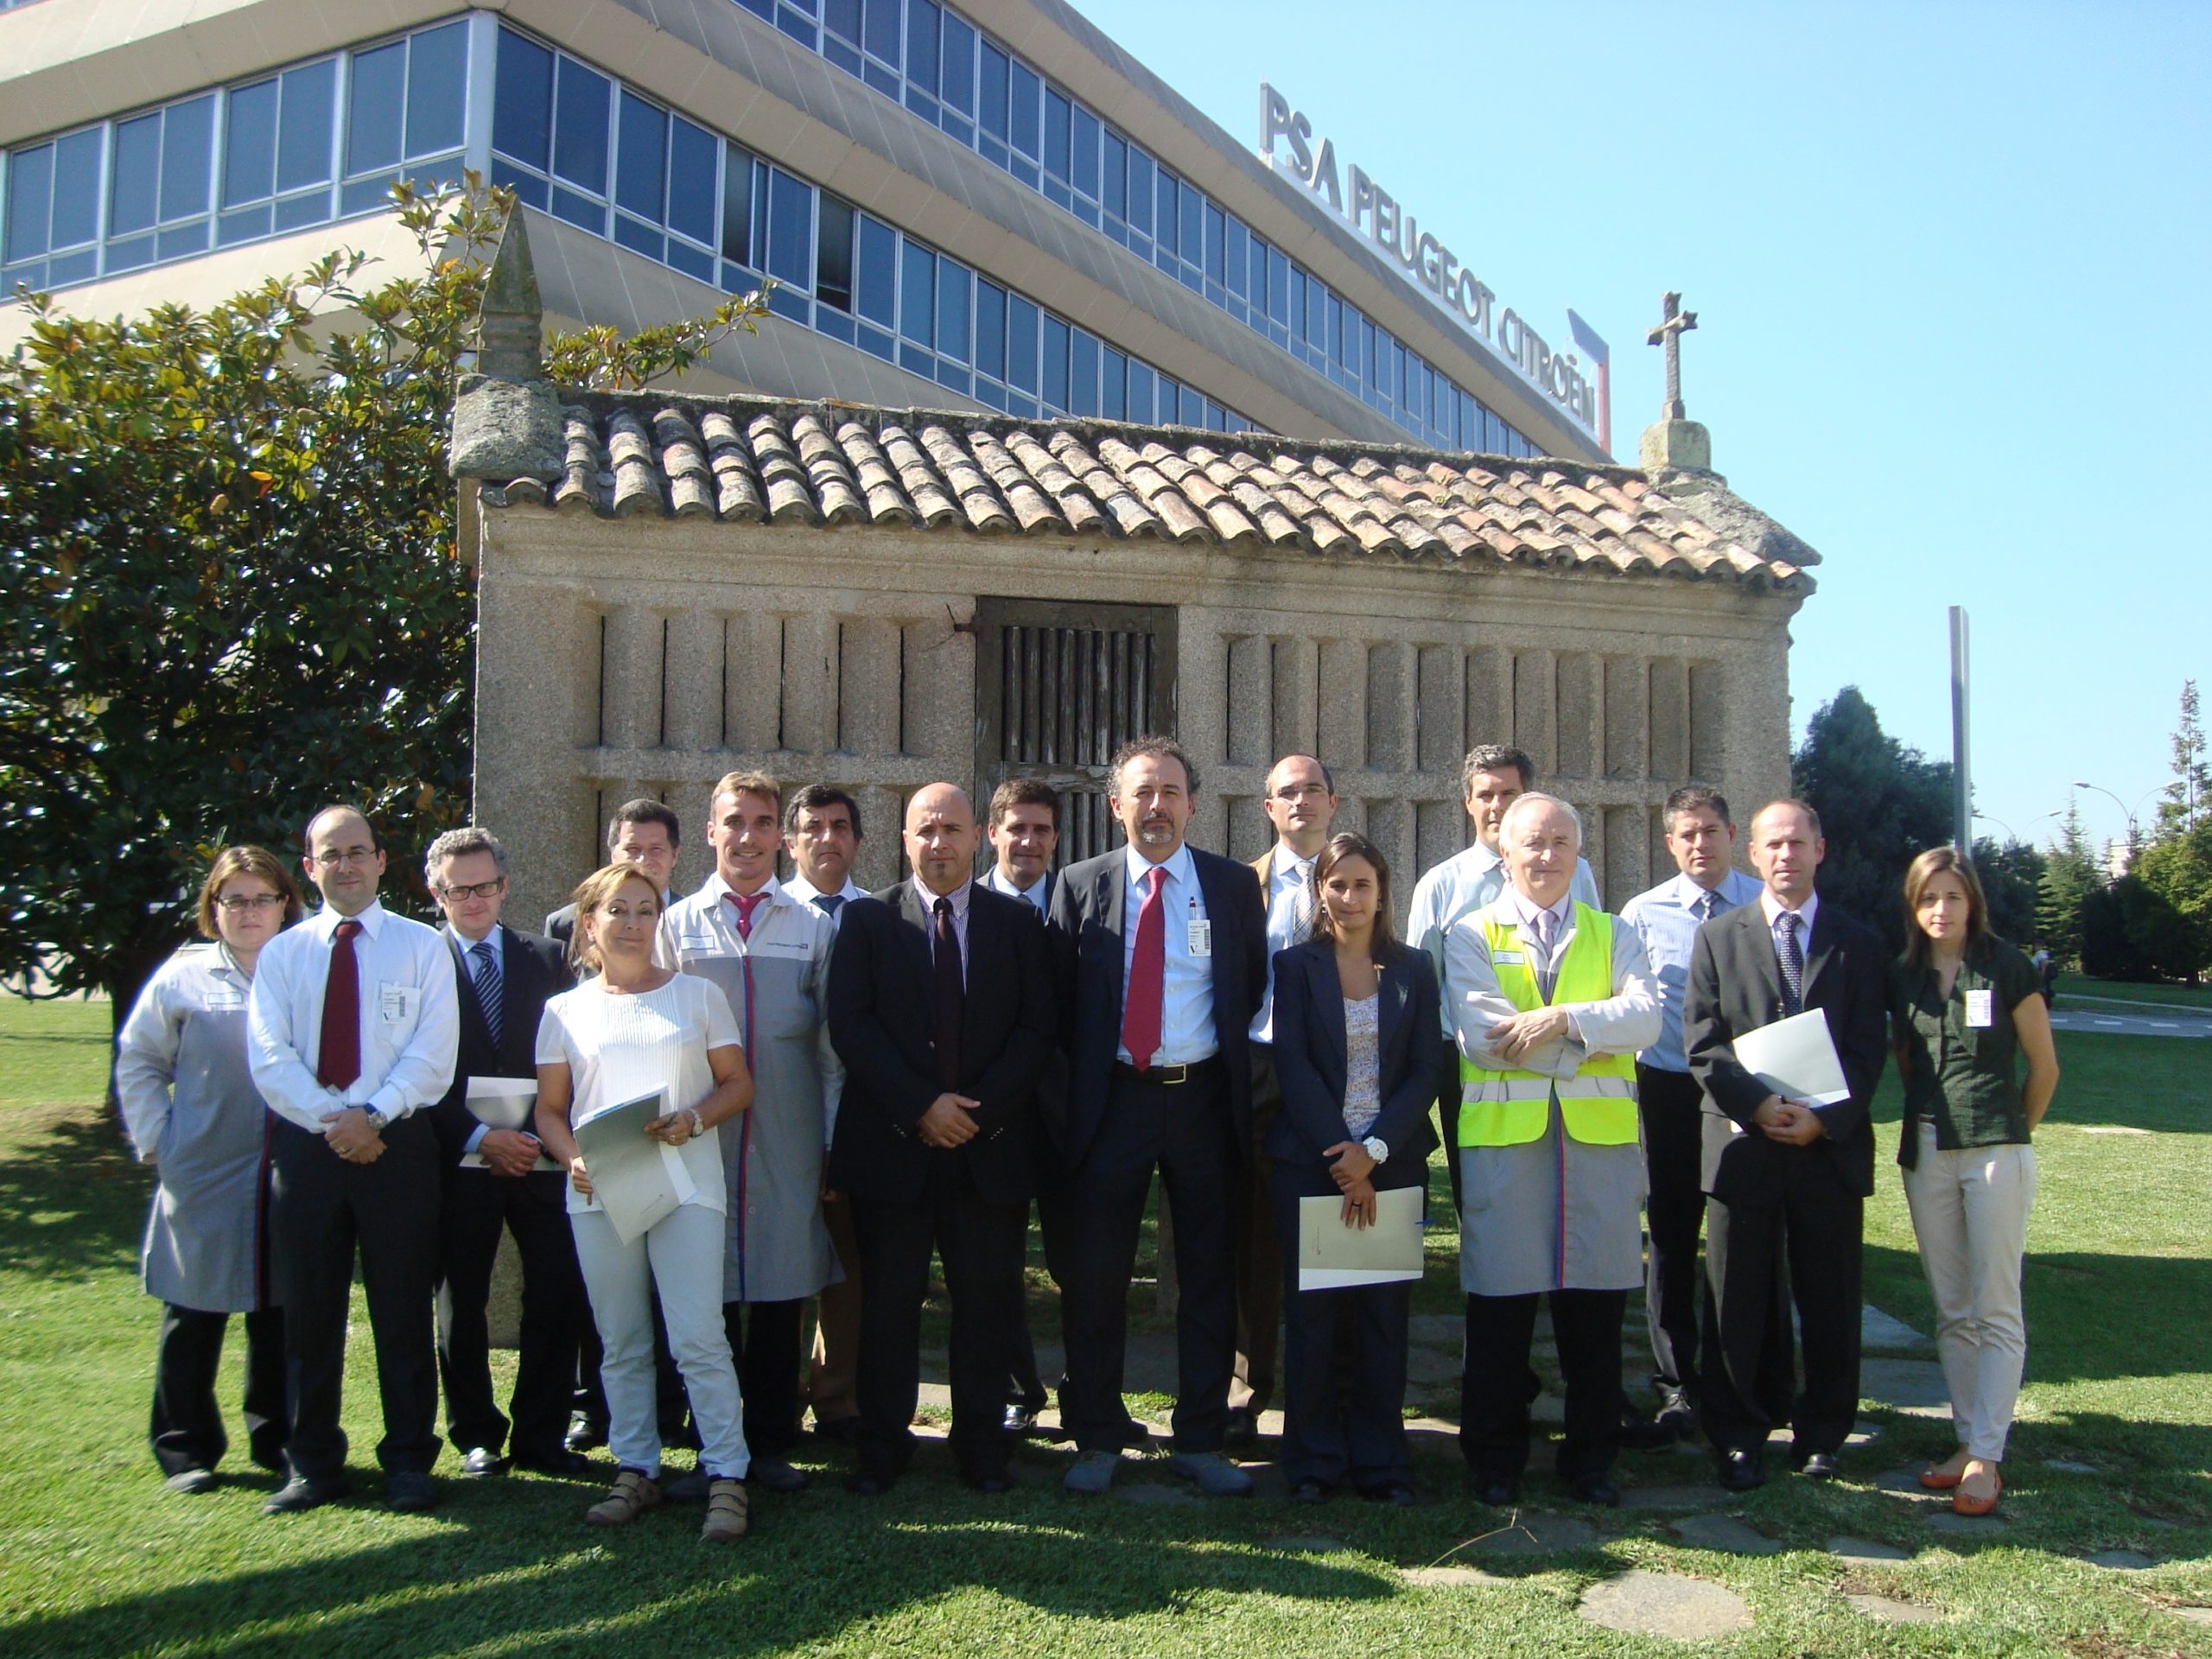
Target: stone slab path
1535,1535
1726,1534
1862,1549
1452,1578
1661,1604
1889,1611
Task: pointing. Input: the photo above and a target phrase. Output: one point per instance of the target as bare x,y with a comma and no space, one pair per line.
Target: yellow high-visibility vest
1511,1107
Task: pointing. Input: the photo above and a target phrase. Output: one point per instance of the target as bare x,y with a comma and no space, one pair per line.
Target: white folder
1796,1059
635,1179
1332,1256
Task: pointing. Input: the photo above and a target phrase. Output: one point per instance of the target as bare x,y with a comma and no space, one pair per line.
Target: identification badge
1201,938
1981,1013
397,1004
1507,958
222,1001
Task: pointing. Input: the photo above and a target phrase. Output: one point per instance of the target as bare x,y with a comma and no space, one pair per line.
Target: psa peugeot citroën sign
1353,196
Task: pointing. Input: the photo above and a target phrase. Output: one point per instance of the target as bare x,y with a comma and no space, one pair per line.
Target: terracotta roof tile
750,459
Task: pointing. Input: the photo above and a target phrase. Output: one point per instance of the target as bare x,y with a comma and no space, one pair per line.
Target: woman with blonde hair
192,1112
1964,1007
635,1028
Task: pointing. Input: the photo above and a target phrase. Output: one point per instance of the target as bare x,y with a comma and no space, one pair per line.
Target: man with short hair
1551,999
352,1026
1491,777
1301,802
940,1004
769,954
644,832
1023,828
822,832
495,1179
1700,837
1162,956
1783,1174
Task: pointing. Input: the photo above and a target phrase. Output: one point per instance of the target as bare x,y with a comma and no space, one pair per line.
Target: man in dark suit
644,832
1161,957
940,1007
491,1179
1782,1174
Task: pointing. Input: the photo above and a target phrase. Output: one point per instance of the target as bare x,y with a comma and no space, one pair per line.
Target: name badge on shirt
1201,936
1507,958
222,1001
1981,1012
398,1004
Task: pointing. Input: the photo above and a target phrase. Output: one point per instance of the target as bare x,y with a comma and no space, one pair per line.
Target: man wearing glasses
494,1178
352,1026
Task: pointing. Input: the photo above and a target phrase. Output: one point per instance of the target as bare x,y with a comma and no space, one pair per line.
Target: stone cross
1670,333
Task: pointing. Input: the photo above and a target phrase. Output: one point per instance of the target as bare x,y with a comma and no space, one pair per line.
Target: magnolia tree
232,587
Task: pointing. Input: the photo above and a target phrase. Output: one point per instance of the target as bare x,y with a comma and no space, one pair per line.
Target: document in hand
635,1179
503,1103
1796,1059
1332,1256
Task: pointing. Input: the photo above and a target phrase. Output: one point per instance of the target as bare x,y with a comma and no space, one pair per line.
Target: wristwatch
377,1122
1377,1148
698,1123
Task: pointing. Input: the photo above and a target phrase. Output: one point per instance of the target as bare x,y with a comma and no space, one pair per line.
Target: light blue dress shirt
1462,885
1667,920
1186,1032
996,881
1287,875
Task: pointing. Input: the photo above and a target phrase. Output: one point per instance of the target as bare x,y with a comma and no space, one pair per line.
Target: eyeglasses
1301,792
474,890
331,857
237,904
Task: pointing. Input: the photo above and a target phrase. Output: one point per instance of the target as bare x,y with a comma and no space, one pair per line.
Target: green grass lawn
95,1560
2072,986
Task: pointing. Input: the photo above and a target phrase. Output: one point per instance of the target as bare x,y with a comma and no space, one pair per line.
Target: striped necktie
486,977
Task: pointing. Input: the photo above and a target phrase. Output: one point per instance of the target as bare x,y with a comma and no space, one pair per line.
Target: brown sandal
631,1495
727,1512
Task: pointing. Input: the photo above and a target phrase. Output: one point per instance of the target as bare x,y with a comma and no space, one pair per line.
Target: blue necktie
486,977
828,903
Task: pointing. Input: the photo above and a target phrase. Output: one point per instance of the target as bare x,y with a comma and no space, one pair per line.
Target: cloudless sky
1953,268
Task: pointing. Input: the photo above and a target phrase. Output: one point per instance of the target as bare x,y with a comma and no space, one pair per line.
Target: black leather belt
1169,1077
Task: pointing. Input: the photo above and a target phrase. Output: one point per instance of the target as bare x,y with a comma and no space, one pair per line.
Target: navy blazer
1085,929
531,969
881,1016
1310,1061
1735,986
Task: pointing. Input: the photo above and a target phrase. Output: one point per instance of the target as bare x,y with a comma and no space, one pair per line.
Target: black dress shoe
300,1494
191,1482
845,1431
560,1463
1396,1493
1598,1489
869,1483
409,1492
1020,1419
774,1475
584,1435
1309,1492
482,1462
1242,1430
1135,1434
991,1482
1741,1470
1499,1492
1654,1434
1819,1465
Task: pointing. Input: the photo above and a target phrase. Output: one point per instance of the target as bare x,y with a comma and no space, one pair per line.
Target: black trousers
766,1343
1025,1388
187,1427
1672,1106
1495,1387
1447,1114
321,1209
980,1244
1185,1132
1758,1259
1259,1252
1344,1394
477,1206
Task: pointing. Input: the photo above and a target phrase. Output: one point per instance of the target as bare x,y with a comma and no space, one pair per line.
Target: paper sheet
1332,1256
1796,1059
634,1179
503,1103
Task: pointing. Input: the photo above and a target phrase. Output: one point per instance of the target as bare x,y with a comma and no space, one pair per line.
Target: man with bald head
353,1025
940,1007
1550,1000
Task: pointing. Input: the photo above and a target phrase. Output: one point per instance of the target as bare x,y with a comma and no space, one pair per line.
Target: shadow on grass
72,1201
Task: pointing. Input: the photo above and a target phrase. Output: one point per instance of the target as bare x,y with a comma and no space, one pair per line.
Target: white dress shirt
1186,1032
410,1017
1287,875
1036,893
1666,919
1460,887
806,893
1775,910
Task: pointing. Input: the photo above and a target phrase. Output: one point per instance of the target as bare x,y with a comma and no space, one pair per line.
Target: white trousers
682,1255
1970,1211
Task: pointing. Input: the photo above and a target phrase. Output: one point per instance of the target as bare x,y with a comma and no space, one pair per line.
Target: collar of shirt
1182,874
995,880
498,945
324,922
804,891
1525,910
1772,907
1736,890
959,895
1286,869
716,888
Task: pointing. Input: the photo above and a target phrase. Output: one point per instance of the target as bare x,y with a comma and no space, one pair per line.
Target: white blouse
1363,1064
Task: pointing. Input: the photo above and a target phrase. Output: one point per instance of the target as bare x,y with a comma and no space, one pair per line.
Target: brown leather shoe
631,1495
727,1512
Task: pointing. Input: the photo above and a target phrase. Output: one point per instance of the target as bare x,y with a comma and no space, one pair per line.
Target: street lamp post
2011,833
2134,836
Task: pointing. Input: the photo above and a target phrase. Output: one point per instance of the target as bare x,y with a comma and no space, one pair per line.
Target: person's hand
1516,1038
1795,1123
947,1123
508,1152
1353,1164
579,1176
1359,1204
830,1195
670,1131
350,1136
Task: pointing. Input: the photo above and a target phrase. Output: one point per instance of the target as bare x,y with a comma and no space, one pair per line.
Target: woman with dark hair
1357,1028
191,1111
1963,1005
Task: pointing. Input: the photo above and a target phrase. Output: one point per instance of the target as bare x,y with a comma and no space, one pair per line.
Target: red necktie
338,1054
746,903
1140,1007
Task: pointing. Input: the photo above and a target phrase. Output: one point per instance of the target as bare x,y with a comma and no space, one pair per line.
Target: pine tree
2069,875
2185,796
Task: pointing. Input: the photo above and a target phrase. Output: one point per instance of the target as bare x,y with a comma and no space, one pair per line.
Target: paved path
2167,1022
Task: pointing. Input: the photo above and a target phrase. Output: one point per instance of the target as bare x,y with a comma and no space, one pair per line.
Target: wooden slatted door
1058,687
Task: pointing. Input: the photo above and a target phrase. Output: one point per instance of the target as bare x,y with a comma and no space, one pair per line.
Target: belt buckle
1171,1076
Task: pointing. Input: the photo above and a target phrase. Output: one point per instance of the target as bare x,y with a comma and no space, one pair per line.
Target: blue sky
1953,266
